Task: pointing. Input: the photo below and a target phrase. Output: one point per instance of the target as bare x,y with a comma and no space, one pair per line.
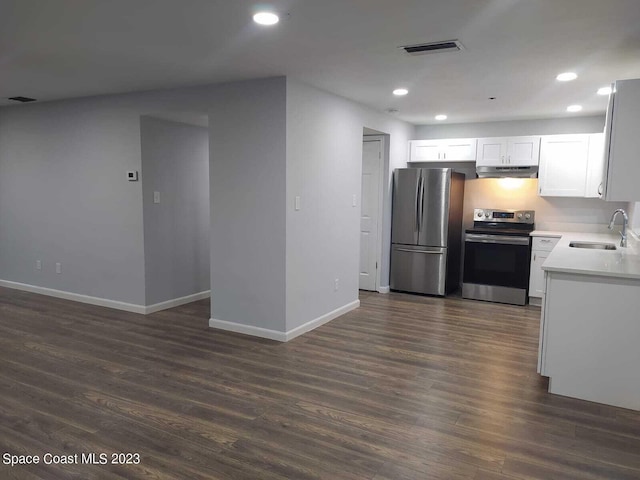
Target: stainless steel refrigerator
426,231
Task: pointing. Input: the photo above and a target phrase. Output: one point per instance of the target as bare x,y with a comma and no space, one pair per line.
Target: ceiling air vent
434,47
22,99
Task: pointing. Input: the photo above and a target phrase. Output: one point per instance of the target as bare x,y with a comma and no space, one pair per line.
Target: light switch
297,202
156,197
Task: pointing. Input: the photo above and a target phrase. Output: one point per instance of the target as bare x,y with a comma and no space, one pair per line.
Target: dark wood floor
405,387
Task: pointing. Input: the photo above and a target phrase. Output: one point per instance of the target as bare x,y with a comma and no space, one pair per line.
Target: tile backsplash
552,213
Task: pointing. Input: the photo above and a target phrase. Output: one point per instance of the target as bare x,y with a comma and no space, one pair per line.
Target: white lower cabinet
589,338
540,249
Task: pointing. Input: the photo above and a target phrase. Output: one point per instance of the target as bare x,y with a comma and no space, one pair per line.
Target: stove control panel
503,216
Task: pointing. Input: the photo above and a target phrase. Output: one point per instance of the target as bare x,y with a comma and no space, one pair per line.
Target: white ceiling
53,49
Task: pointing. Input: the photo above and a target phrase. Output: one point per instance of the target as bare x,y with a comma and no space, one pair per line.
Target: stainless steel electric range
497,256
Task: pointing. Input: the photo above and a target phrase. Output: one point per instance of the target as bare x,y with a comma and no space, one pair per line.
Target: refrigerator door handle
430,252
420,202
417,209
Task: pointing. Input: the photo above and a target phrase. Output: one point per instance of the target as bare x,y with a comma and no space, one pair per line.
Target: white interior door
371,160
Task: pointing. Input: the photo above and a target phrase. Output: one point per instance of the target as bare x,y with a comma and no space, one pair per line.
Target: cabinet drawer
545,244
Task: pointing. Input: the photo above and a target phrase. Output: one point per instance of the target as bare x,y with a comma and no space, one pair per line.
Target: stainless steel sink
593,245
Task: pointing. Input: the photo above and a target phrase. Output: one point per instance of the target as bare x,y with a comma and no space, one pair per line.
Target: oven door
499,260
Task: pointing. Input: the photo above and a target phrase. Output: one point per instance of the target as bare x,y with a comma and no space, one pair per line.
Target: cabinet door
425,150
536,277
595,166
491,152
563,166
544,244
543,326
523,151
460,149
623,167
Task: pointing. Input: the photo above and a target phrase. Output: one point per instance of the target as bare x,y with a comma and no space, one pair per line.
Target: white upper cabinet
621,168
446,150
570,165
460,149
508,151
563,166
523,151
424,150
492,152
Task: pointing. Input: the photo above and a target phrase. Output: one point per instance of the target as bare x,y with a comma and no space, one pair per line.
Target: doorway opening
374,153
175,196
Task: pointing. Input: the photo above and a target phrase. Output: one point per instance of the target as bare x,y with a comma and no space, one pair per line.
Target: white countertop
621,263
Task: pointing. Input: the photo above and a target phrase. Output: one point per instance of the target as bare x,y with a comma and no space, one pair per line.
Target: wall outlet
58,268
38,265
156,197
336,284
354,200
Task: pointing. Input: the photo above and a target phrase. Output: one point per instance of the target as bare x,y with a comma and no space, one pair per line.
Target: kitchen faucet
623,233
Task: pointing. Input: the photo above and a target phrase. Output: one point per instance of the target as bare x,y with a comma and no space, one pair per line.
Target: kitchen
562,266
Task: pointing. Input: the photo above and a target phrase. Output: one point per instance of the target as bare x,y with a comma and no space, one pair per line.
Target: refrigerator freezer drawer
418,269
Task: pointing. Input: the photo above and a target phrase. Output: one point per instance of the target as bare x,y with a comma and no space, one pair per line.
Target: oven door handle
500,239
439,251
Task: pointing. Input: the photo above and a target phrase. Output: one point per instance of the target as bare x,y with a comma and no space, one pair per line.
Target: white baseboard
315,323
386,289
536,301
248,330
101,302
176,302
282,336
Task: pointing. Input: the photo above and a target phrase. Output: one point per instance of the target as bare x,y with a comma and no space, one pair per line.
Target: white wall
324,165
64,196
248,183
551,126
551,213
175,163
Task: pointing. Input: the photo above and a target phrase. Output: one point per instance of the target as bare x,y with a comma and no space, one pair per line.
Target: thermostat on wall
132,176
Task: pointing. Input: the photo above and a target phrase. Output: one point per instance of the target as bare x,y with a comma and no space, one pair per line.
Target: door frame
381,163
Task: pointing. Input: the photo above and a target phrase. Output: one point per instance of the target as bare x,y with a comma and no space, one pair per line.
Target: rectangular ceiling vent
22,99
434,47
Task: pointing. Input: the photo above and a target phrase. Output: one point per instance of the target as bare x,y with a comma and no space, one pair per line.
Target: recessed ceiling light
566,77
441,117
604,91
574,108
266,18
400,92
